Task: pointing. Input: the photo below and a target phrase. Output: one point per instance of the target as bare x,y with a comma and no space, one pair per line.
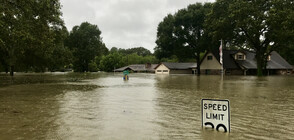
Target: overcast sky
123,23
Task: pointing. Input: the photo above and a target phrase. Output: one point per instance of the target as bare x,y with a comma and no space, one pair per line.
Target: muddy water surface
103,106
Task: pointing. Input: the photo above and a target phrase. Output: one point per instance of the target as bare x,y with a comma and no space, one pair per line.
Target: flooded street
148,106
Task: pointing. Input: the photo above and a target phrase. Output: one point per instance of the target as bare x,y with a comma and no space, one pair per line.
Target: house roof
249,62
178,66
138,67
228,61
276,62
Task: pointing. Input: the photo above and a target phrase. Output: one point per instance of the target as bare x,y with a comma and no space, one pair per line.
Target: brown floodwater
148,106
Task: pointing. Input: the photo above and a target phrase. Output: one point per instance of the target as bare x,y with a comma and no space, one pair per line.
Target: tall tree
260,25
184,34
190,31
86,43
165,42
61,57
27,29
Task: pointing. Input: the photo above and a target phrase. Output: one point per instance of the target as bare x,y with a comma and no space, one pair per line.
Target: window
207,71
228,72
209,57
165,71
240,57
268,58
158,70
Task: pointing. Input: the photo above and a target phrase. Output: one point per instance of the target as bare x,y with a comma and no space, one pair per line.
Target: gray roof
138,68
228,61
249,62
179,66
276,61
122,68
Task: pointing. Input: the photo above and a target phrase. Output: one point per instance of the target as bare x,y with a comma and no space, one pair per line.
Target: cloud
124,23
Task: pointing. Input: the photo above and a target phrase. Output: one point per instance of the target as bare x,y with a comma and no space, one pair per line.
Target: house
175,68
138,68
241,62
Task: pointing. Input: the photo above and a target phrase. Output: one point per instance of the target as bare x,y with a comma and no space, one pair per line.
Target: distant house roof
138,68
276,61
178,66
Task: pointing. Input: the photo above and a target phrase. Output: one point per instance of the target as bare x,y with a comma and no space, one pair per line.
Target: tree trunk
260,63
11,70
198,63
259,70
6,69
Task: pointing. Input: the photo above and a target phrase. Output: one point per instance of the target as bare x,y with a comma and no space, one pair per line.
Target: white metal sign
216,114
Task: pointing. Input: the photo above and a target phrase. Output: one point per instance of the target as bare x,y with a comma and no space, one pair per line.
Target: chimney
148,65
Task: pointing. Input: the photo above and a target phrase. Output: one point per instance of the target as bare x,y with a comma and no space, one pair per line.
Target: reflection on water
148,106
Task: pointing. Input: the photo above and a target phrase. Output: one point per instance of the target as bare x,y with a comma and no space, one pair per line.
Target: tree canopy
141,51
119,57
86,43
184,34
27,32
262,26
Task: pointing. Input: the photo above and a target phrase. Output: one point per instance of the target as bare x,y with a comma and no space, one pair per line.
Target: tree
86,43
184,34
141,51
111,61
137,59
262,26
287,52
165,42
27,30
61,57
113,49
190,29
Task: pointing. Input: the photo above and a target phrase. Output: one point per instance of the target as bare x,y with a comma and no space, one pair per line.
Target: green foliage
113,50
111,61
287,52
165,41
60,59
85,43
141,51
122,57
261,25
27,32
184,34
137,59
150,59
93,67
173,58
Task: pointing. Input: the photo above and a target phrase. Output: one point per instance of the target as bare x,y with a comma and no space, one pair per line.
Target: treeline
33,38
262,26
122,57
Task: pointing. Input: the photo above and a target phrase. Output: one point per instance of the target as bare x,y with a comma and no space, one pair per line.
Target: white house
175,68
